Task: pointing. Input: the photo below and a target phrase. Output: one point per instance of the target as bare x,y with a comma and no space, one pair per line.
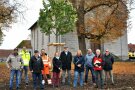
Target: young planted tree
57,17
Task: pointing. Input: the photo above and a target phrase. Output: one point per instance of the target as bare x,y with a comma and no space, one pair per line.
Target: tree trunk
82,44
57,41
81,27
95,45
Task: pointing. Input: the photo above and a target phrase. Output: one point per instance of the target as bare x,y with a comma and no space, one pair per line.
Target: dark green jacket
108,62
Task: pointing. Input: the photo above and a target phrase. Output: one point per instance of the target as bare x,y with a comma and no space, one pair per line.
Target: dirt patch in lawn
124,77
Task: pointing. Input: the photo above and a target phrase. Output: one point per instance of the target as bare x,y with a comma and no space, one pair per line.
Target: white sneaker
43,82
49,81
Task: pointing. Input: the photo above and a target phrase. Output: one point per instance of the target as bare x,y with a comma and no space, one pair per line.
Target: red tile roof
131,47
5,53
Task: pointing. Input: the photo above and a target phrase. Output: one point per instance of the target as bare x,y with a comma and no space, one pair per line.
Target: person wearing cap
98,63
15,64
88,65
24,53
36,66
108,66
66,59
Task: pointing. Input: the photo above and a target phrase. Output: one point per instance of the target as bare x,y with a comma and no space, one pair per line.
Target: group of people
100,66
17,63
41,66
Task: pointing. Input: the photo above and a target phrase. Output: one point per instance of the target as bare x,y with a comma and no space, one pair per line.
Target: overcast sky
19,31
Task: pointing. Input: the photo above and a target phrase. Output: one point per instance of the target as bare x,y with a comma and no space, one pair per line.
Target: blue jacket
88,60
79,60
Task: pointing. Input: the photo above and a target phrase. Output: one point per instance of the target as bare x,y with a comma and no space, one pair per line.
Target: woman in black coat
56,69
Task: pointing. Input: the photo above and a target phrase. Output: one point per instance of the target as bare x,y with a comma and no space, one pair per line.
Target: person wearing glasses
108,66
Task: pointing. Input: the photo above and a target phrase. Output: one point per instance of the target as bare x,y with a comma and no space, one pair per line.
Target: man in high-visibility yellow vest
26,58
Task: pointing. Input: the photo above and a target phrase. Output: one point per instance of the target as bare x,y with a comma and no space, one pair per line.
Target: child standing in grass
56,70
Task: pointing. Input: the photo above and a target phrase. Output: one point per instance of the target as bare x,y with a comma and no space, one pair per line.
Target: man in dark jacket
66,59
108,63
36,65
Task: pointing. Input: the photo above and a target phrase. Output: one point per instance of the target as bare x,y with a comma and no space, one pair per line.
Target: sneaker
63,83
113,84
42,88
69,84
102,88
26,84
49,81
85,83
10,88
57,86
17,88
43,82
94,84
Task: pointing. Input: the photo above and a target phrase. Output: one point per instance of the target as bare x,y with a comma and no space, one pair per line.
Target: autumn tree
9,10
57,17
106,20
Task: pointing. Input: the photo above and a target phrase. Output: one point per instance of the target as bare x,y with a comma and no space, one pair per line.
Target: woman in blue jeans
79,68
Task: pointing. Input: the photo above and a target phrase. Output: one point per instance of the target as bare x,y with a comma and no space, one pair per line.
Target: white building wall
40,41
118,47
71,41
33,40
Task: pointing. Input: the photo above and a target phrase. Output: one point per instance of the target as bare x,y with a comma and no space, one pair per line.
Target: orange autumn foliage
104,19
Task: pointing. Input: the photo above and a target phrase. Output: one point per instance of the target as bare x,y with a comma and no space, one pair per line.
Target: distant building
4,54
131,47
26,43
40,40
